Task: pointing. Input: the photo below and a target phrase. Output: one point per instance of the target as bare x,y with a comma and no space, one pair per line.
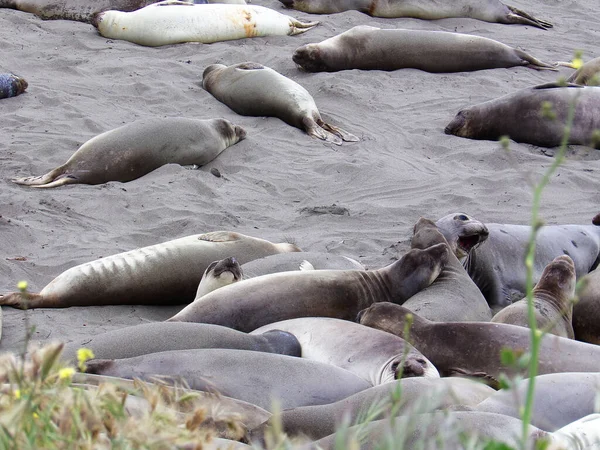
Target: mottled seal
586,311
173,22
341,294
376,357
552,300
135,149
588,74
487,10
11,85
251,89
406,396
371,48
166,273
453,296
559,399
164,336
497,266
519,116
473,347
218,274
254,377
292,261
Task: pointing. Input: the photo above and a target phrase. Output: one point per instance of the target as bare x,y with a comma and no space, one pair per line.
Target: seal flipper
298,27
313,129
17,300
347,137
516,16
306,265
219,236
56,177
535,63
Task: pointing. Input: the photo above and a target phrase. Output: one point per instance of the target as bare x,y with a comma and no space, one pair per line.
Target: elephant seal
218,274
519,116
371,48
487,10
497,266
581,434
164,336
166,273
588,74
586,311
341,294
552,300
559,399
471,347
173,22
448,430
133,150
292,261
254,377
251,89
11,85
373,355
405,396
453,296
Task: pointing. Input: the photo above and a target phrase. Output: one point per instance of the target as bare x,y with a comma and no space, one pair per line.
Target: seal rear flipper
517,16
298,27
347,137
50,178
18,300
482,376
313,129
535,63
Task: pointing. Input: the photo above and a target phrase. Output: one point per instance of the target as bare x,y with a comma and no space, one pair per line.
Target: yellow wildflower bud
17,394
22,285
83,354
577,62
65,373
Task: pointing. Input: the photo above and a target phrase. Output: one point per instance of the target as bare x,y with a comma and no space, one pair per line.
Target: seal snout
308,57
287,3
96,19
455,127
240,132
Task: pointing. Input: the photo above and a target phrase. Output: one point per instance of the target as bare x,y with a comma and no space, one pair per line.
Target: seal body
341,294
251,89
254,377
376,357
453,296
168,22
588,74
586,311
166,273
11,85
552,299
475,347
371,48
486,10
165,336
519,116
135,149
218,274
497,266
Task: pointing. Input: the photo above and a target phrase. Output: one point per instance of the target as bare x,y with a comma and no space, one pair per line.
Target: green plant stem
536,334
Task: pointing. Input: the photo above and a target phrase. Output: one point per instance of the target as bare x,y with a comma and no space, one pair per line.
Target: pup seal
254,377
138,148
173,22
474,347
588,74
453,296
341,294
519,116
487,10
373,355
497,266
251,89
11,85
166,273
552,300
218,274
371,48
586,312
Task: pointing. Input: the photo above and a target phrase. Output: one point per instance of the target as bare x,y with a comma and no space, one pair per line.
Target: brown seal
552,299
588,74
586,311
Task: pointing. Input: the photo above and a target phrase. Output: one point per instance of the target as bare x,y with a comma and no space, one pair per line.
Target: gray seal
251,89
218,274
588,74
371,48
254,377
552,300
518,116
341,294
164,336
486,10
133,150
497,266
373,355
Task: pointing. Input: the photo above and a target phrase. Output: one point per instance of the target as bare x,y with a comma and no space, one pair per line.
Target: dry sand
404,167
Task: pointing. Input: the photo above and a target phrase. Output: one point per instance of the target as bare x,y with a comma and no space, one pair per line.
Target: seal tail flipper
535,63
18,300
521,17
298,27
313,129
348,137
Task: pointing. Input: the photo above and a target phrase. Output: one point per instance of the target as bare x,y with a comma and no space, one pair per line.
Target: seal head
462,232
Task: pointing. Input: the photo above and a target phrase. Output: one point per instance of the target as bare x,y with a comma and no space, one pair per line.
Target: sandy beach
404,167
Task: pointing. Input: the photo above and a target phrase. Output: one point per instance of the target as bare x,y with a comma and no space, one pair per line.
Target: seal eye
462,217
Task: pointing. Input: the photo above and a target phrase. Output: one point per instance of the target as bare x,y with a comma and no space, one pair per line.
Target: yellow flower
67,372
35,415
22,285
83,354
17,394
577,62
